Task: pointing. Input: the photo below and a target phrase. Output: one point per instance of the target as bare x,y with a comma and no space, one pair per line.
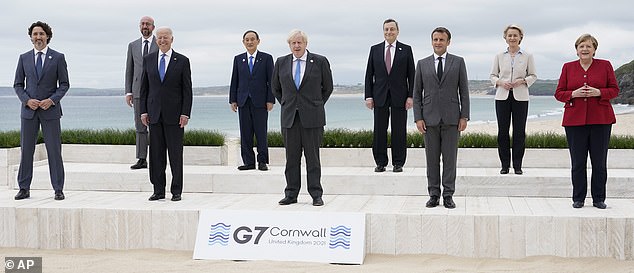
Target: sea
214,113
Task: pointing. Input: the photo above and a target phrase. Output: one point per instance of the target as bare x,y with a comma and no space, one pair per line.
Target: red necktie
388,59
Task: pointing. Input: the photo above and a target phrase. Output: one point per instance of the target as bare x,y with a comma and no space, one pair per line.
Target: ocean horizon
345,111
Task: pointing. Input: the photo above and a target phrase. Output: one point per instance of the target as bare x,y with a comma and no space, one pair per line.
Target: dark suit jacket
447,99
168,99
52,84
398,83
134,65
256,85
314,91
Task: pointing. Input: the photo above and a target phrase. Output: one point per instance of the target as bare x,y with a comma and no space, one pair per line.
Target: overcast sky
94,34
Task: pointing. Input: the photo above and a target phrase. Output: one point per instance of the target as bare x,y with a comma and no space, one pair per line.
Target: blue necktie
298,73
162,67
251,64
38,65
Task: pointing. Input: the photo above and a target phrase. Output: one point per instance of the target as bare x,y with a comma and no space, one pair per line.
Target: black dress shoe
22,194
447,201
176,197
140,164
519,171
397,169
599,205
287,201
155,197
318,202
263,167
379,169
504,171
246,167
577,204
432,202
59,195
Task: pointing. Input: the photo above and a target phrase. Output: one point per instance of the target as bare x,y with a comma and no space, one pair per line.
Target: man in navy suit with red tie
46,76
166,104
250,95
389,80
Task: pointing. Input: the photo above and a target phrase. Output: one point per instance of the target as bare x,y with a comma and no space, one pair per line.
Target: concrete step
535,182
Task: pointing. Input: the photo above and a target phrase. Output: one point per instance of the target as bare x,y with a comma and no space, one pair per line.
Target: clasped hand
586,91
44,104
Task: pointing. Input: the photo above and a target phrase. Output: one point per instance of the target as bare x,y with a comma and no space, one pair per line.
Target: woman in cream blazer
512,73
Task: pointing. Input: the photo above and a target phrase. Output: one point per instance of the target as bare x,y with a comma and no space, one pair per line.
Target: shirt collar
303,57
386,44
255,54
150,40
168,54
518,52
43,51
444,56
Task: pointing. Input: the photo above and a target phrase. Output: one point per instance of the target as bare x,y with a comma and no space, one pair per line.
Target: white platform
507,216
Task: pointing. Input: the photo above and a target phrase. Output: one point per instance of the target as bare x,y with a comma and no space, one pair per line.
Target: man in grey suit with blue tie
41,81
137,49
302,83
441,112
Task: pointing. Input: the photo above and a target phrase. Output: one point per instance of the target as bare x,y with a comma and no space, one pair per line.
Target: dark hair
250,31
45,27
441,30
390,20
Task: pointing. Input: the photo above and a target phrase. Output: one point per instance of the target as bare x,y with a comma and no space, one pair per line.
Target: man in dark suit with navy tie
41,81
250,95
302,83
389,79
166,104
137,49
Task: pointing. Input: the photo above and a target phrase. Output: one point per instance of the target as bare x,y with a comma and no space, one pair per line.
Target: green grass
10,139
335,138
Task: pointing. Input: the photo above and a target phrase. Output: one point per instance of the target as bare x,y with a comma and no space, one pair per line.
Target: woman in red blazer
586,87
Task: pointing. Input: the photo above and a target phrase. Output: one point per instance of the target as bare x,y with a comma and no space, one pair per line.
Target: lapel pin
243,60
400,48
311,60
174,58
50,57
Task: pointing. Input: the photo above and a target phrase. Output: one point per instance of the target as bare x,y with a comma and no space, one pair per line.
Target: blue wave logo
340,237
219,234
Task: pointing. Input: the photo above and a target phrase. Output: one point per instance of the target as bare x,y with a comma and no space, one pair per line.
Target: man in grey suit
46,76
441,112
137,49
302,83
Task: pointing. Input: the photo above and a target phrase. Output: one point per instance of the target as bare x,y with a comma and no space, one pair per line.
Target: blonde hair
587,37
297,32
516,27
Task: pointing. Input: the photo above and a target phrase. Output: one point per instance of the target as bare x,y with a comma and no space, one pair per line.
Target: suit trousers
592,139
507,110
51,130
399,134
296,139
253,120
141,131
166,138
441,141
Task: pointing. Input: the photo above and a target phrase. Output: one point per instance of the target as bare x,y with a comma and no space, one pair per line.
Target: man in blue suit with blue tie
41,81
250,95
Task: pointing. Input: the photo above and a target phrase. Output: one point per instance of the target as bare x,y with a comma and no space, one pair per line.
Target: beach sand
154,260
128,261
624,126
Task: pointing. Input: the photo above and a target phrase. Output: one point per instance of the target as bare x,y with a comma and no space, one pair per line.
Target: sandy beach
624,126
129,261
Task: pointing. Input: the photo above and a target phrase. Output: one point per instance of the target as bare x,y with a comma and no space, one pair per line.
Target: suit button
585,99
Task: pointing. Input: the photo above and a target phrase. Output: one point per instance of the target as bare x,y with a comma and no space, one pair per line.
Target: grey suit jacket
446,100
53,83
134,65
315,89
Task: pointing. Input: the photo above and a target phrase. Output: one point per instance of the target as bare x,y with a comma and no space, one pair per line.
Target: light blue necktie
251,64
162,67
298,73
38,65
